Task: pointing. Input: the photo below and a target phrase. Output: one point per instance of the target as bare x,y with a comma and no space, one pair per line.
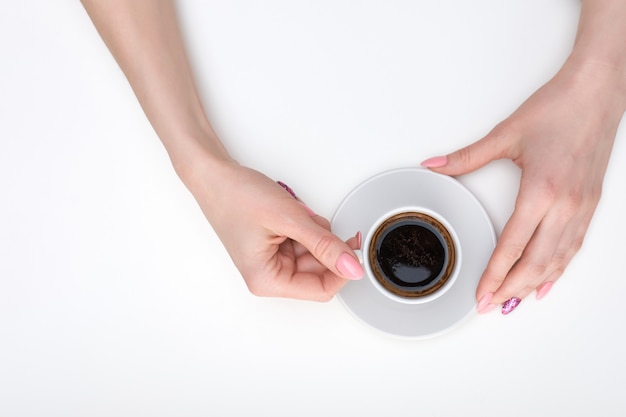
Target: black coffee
412,254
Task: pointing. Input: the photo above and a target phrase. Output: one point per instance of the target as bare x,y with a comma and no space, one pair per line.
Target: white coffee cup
411,255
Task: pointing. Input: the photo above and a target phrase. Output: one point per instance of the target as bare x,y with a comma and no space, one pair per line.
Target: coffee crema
412,254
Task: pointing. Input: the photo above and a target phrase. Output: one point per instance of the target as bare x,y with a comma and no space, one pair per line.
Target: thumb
467,159
328,249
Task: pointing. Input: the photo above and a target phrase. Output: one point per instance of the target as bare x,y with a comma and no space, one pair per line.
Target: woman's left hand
561,138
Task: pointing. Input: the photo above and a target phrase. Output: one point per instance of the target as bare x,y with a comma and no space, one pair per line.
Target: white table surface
116,297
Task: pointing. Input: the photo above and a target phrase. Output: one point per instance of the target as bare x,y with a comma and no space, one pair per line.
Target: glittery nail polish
287,188
510,305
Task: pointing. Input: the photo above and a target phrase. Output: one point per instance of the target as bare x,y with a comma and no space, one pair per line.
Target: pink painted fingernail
359,239
510,305
349,267
484,305
287,188
544,289
435,162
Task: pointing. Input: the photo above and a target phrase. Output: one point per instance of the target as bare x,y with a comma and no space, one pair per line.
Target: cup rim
369,272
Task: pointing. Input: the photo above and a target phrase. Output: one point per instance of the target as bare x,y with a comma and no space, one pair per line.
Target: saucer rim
491,235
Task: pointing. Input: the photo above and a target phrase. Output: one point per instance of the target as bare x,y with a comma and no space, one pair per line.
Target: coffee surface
411,255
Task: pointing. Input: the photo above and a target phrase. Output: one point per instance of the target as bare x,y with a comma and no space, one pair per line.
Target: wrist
197,159
600,80
599,54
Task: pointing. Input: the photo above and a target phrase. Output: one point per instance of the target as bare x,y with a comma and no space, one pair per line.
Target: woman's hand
561,138
278,244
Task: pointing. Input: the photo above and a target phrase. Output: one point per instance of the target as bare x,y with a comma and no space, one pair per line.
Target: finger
294,281
495,145
300,249
332,252
545,257
534,265
570,244
310,280
354,242
307,285
302,277
515,236
307,262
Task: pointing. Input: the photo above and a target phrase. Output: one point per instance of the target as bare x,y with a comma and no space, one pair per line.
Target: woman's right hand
280,246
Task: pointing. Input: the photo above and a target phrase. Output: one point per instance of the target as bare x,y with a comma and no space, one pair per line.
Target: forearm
144,38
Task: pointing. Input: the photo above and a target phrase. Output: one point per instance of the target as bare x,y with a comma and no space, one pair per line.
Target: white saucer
417,188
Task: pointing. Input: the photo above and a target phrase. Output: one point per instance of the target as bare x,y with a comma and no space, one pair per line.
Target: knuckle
503,136
290,222
559,257
513,252
492,281
570,202
256,289
536,270
322,222
501,131
326,294
558,272
577,244
596,194
579,201
548,190
573,203
258,286
323,246
464,155
324,297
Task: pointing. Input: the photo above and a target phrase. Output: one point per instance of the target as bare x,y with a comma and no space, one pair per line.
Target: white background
116,297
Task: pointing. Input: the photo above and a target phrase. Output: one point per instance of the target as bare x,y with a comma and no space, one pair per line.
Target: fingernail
488,308
308,209
484,305
287,188
359,239
544,289
435,162
349,267
510,305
